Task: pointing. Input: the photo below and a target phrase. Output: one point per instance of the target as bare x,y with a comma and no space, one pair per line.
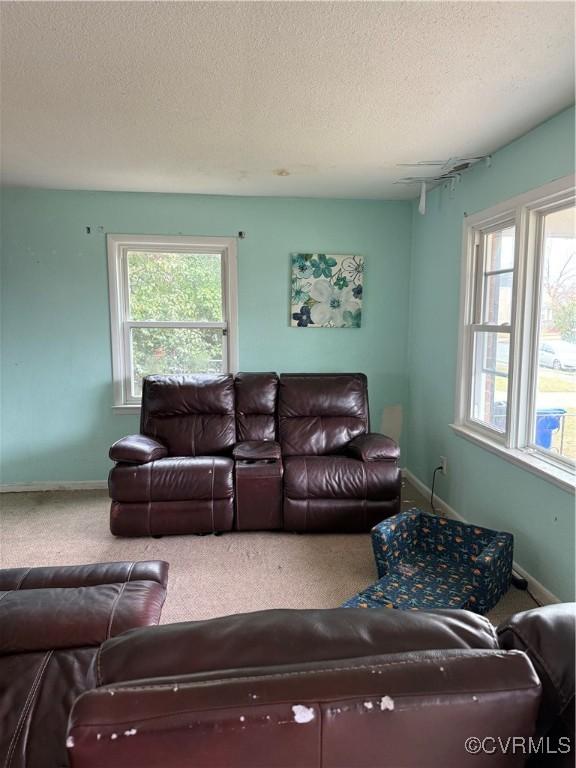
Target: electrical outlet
444,465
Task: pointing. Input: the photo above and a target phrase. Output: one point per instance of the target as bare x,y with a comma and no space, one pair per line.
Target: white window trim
513,445
117,245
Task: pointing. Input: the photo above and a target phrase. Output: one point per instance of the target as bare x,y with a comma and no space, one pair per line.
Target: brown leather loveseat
255,451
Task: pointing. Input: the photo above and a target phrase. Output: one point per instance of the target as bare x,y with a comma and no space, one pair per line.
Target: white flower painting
326,291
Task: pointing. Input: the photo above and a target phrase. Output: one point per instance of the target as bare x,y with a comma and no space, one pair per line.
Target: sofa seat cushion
339,477
174,479
432,561
419,582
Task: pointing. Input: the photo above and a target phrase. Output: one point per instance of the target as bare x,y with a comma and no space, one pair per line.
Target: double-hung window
172,309
516,388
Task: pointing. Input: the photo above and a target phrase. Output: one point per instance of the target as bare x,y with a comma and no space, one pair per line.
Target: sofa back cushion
256,400
320,413
309,689
286,636
413,709
192,415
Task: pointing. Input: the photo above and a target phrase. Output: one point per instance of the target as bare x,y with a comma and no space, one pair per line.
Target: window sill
563,478
133,410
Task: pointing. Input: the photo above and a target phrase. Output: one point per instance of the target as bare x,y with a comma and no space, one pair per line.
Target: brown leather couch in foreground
52,623
342,688
253,452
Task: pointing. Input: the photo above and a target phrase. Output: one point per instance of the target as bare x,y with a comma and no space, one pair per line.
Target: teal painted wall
57,421
57,395
481,486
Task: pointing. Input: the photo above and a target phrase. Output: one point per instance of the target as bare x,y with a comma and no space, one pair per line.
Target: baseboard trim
538,590
64,485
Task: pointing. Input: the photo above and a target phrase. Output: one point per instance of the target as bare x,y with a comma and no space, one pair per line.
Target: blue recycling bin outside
499,415
548,420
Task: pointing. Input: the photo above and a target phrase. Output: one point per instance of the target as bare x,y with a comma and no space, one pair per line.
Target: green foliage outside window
175,287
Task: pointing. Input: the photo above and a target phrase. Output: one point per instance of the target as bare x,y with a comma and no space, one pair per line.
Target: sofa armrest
373,447
548,636
500,549
393,537
137,449
257,450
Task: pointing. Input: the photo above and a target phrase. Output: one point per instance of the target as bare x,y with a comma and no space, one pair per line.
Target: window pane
490,379
175,286
555,417
497,304
175,350
499,250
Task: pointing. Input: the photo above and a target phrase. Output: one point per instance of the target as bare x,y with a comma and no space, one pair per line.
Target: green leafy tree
175,287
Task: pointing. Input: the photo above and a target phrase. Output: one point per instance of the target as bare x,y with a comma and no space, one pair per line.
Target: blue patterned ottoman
425,561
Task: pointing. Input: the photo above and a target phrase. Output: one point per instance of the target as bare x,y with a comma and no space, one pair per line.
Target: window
172,309
516,389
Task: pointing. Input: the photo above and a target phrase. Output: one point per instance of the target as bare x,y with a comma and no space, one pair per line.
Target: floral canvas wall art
326,291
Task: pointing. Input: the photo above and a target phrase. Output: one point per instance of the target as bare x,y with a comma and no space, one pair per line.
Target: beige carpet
209,576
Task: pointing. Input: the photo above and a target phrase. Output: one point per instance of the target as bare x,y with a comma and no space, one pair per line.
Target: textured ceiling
271,98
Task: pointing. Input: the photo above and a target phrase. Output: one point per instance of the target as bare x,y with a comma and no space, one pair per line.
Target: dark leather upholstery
63,576
174,479
374,447
36,619
257,450
160,518
548,636
190,415
338,477
339,515
283,636
319,414
258,485
306,689
382,711
192,489
256,395
52,621
137,449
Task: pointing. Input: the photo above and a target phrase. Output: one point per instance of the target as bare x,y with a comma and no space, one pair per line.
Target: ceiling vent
449,172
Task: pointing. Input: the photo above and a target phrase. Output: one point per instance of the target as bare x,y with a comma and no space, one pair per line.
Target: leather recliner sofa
255,451
342,688
52,623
